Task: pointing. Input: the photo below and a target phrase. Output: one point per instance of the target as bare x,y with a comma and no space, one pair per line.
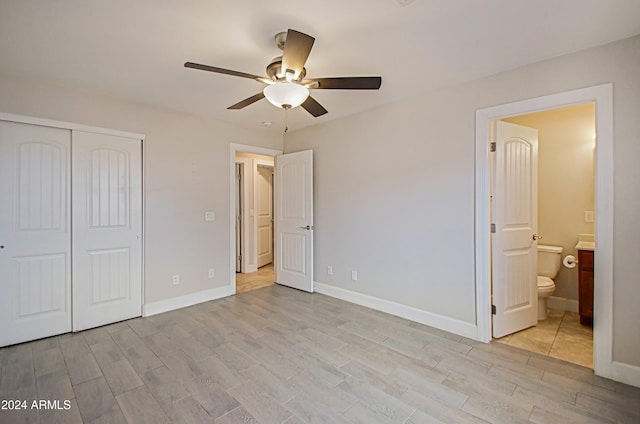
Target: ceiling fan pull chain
286,122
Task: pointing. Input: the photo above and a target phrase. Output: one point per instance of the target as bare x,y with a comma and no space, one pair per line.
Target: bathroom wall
565,183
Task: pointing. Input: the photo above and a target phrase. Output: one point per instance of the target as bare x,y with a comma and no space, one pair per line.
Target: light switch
588,216
209,216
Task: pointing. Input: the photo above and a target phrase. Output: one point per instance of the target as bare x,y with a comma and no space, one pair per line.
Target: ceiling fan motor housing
274,70
280,39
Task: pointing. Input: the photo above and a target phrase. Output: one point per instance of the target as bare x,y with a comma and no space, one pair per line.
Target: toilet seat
545,282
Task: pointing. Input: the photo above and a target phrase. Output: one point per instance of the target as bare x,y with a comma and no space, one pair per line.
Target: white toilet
549,260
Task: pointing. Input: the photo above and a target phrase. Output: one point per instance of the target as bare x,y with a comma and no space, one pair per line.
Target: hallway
263,277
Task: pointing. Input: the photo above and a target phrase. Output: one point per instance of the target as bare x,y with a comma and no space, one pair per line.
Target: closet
70,227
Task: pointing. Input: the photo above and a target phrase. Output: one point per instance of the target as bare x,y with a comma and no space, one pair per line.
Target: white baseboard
414,314
625,373
562,303
186,300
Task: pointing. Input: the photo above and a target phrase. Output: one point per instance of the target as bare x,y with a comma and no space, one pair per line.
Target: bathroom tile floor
559,336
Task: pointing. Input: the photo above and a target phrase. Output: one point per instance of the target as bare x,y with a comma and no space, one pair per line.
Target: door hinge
493,146
493,309
493,228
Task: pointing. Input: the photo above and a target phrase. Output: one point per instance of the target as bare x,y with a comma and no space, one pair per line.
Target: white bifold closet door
70,229
106,229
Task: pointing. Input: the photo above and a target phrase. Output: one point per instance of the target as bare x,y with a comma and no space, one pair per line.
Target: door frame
239,216
235,148
602,95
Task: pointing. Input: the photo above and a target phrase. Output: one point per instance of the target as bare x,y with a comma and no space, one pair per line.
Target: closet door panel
35,239
107,229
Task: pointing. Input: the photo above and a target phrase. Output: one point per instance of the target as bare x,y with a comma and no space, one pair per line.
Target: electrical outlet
176,280
212,273
354,275
329,270
209,216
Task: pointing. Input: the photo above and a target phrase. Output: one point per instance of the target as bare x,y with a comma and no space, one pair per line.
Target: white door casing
514,267
238,215
35,228
294,220
264,213
107,229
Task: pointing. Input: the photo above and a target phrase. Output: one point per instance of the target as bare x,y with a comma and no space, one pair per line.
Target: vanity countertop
586,245
586,242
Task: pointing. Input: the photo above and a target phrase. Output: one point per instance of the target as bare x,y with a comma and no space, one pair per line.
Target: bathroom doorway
602,95
565,218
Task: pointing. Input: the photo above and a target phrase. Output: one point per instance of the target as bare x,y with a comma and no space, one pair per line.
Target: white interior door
107,229
35,232
264,207
294,220
515,203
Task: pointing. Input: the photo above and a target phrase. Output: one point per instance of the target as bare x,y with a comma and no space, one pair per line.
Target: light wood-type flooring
560,336
263,277
278,355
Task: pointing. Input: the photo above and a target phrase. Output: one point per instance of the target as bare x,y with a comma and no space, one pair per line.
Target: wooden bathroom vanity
585,286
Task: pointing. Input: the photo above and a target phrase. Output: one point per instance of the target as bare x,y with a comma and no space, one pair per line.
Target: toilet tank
549,260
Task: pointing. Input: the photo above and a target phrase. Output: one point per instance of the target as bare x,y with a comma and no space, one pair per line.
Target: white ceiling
135,49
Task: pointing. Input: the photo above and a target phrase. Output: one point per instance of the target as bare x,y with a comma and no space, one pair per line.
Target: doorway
565,220
293,218
252,239
603,268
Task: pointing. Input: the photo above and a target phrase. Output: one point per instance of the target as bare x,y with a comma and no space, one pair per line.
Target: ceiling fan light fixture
286,95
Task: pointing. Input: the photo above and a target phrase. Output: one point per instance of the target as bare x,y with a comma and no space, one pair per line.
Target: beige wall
395,187
186,171
565,181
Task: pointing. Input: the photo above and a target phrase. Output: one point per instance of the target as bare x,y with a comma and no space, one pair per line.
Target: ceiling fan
286,84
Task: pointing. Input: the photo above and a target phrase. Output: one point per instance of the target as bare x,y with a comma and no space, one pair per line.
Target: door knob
307,227
536,237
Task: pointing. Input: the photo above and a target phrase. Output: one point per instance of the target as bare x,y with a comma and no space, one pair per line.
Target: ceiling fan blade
346,83
296,50
222,71
313,107
246,102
